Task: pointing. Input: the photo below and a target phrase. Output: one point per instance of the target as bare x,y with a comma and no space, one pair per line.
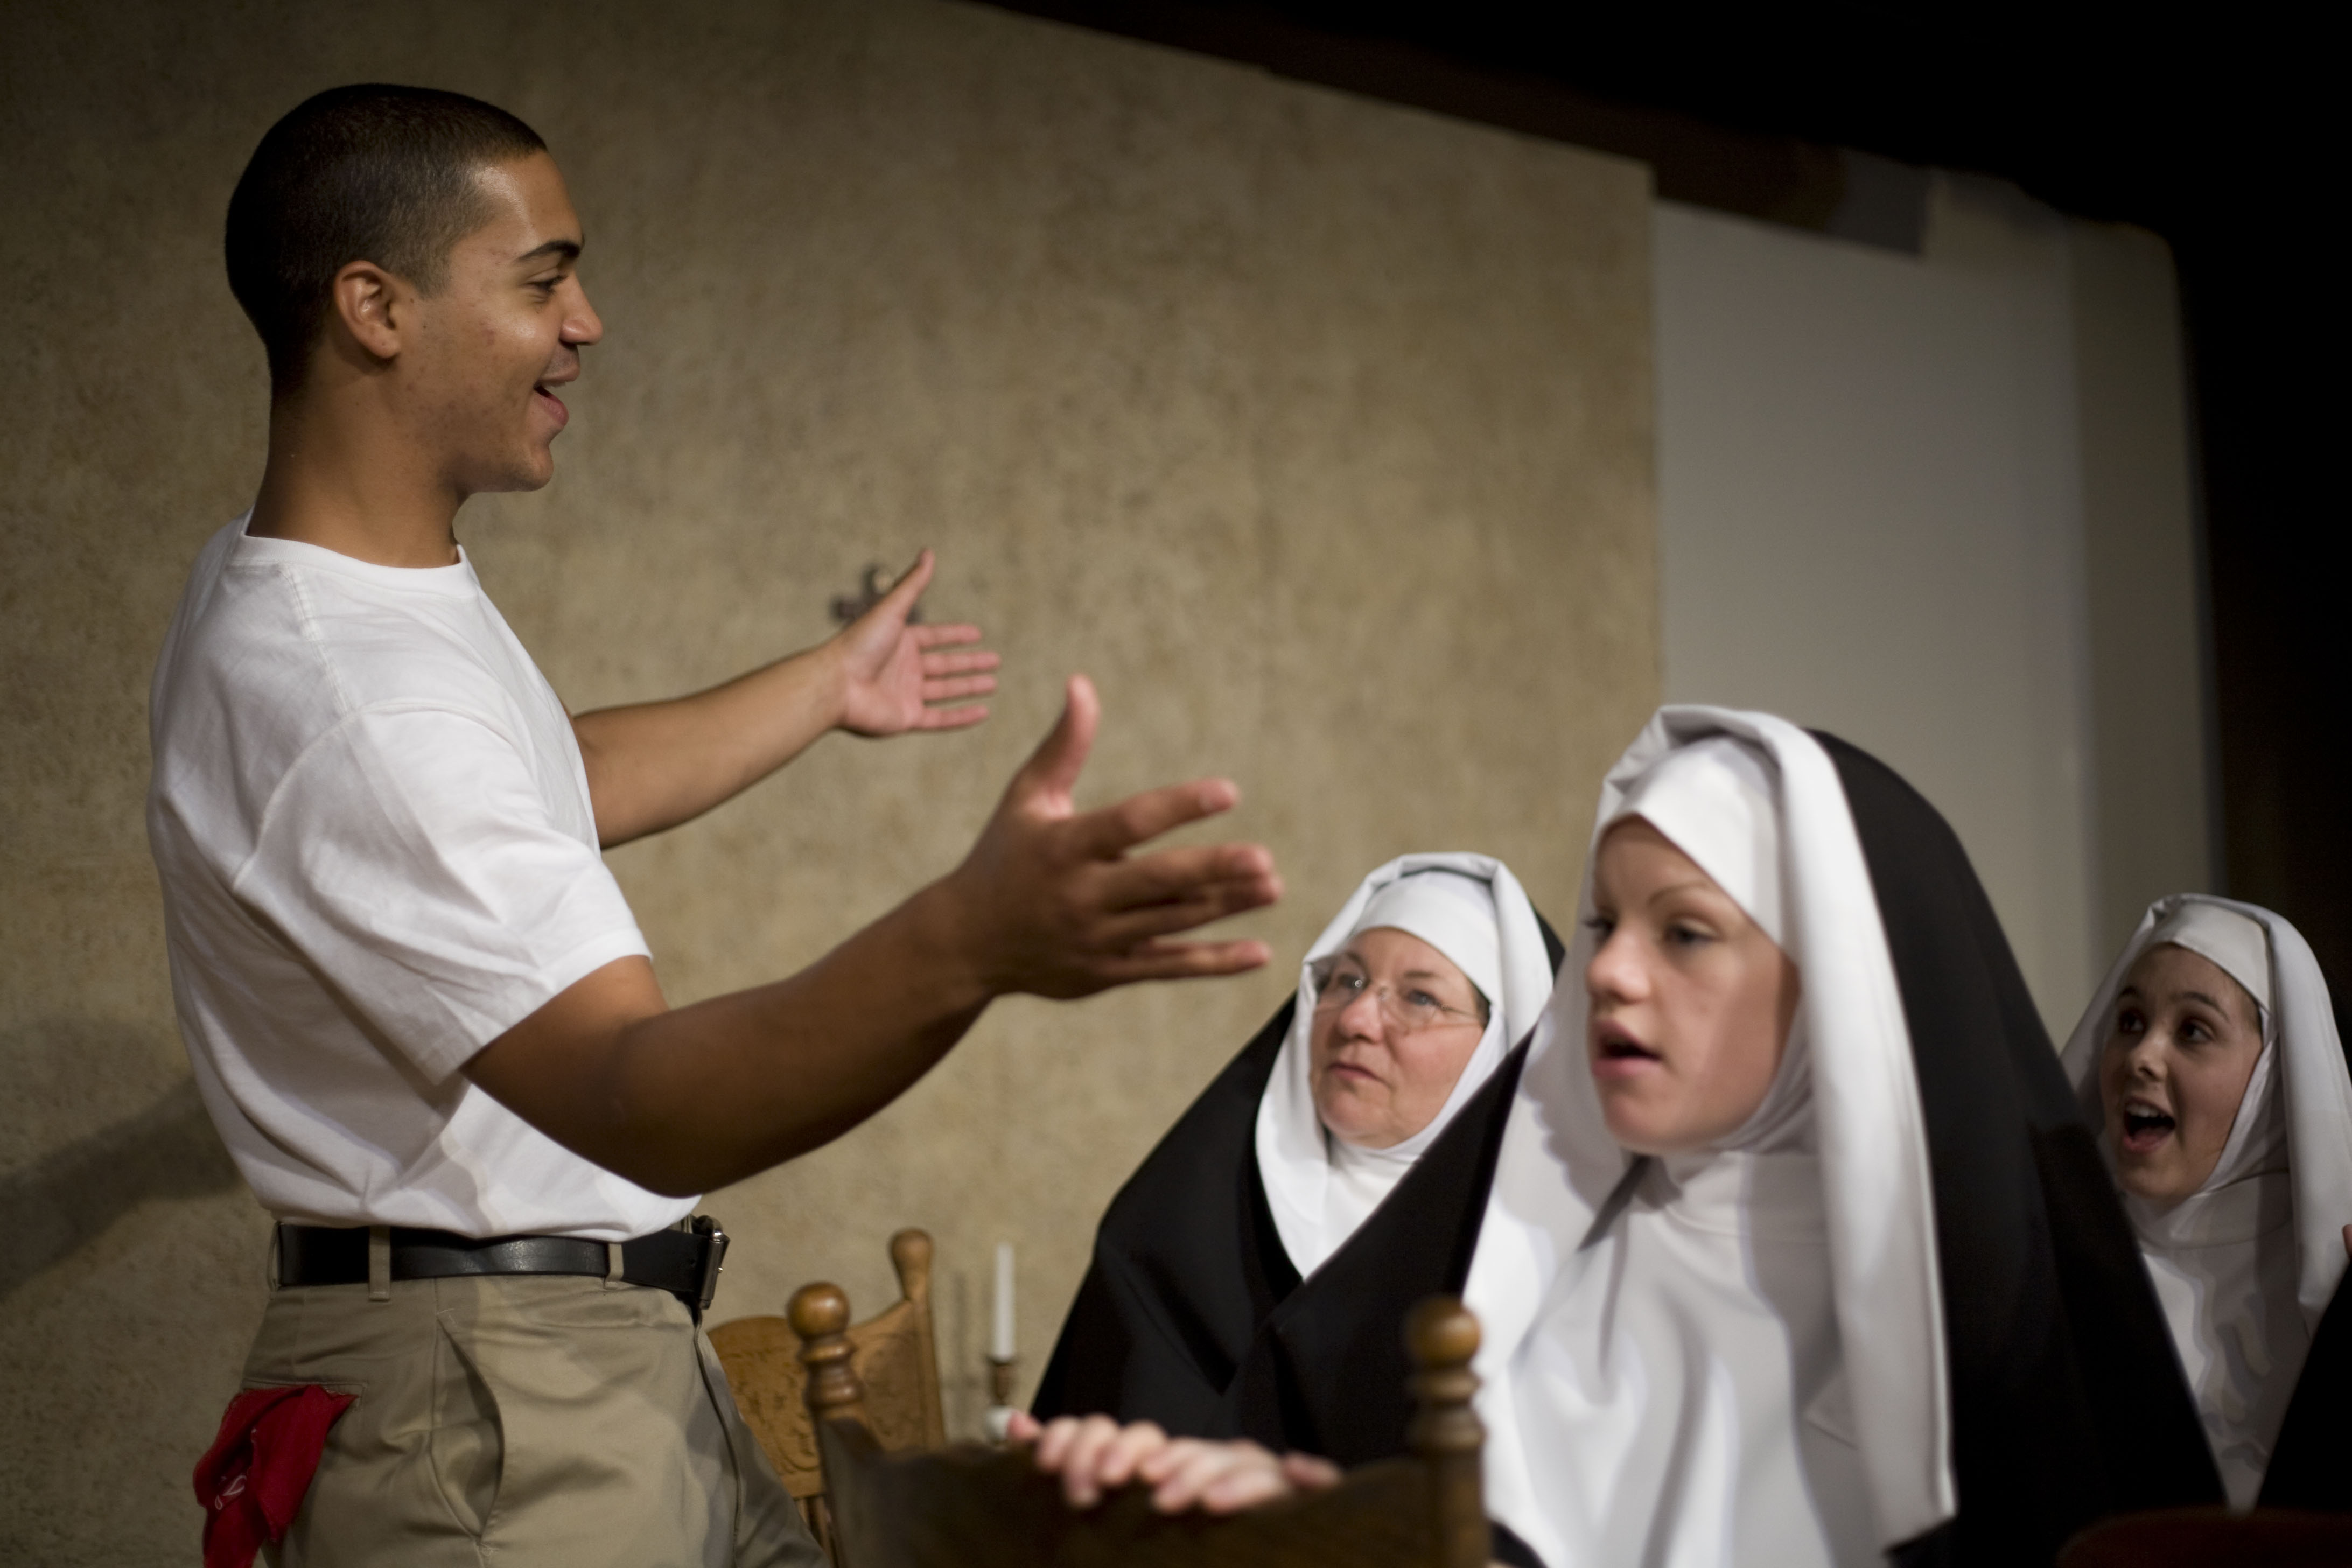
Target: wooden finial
818,1312
911,1255
820,1316
1441,1335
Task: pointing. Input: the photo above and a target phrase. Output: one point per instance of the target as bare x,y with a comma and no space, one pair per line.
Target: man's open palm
892,672
1065,903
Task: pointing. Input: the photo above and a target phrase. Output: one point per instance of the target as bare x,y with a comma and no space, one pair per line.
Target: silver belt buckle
714,1259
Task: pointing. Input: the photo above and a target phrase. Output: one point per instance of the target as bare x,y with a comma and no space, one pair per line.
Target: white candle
1001,1348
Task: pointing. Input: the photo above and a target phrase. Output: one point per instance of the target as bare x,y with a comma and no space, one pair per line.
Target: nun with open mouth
1250,1278
1797,1248
2209,1062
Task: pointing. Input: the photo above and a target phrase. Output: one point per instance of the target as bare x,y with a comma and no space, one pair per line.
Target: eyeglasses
1338,981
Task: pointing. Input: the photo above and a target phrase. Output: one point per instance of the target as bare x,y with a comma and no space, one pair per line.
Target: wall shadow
50,1208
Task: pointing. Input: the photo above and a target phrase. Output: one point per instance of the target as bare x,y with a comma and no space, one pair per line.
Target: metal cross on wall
873,581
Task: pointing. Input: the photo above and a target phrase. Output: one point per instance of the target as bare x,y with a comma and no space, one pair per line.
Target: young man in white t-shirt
417,1005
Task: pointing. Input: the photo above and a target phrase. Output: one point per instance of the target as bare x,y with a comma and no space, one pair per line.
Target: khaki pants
524,1420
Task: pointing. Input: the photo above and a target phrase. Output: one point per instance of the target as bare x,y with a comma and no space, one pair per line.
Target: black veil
2067,1398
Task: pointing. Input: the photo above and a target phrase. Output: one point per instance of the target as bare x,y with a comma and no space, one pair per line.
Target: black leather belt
685,1261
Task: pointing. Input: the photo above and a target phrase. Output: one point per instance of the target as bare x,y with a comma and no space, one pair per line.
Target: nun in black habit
1249,1279
1895,1312
1884,1308
2210,1063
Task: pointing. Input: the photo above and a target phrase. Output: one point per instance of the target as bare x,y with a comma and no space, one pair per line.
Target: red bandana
252,1480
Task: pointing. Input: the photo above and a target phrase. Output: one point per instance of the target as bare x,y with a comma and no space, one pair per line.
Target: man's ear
371,305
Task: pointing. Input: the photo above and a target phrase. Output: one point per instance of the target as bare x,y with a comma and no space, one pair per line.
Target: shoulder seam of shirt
306,618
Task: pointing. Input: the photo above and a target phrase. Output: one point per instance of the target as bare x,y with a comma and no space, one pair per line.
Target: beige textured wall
1318,431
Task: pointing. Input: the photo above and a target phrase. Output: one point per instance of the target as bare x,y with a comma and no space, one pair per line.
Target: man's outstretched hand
1052,902
892,673
652,765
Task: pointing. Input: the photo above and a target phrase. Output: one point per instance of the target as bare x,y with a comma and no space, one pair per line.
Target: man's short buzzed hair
369,172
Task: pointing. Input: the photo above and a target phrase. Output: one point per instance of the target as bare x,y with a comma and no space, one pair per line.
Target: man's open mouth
2145,1127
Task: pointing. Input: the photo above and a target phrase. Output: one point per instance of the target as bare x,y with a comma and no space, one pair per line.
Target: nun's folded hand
1052,902
1095,1456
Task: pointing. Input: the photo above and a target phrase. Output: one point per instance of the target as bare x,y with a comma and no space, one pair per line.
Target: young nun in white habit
1797,1250
1671,1377
1249,1277
2209,1062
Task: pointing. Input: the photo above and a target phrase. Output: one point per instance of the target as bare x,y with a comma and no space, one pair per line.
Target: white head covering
2246,1265
1743,1344
1716,800
1471,908
1453,913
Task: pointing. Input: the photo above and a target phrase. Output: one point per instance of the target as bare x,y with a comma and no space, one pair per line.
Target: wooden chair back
896,1363
972,1507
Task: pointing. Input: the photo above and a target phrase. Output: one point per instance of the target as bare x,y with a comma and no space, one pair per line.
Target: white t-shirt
377,851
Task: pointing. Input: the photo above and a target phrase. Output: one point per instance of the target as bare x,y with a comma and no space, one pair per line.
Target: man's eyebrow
566,249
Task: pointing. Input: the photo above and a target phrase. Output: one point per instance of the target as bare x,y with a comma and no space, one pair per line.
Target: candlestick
999,1348
1000,1342
1000,1398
